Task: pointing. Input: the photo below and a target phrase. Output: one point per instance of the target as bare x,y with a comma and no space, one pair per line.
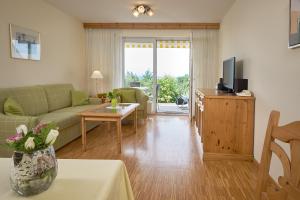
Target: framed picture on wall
25,43
294,32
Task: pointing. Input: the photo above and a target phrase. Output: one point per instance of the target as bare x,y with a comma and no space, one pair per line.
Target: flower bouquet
34,165
113,97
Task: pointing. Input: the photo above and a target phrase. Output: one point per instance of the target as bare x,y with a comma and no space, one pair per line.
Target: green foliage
183,85
147,81
131,77
170,87
112,95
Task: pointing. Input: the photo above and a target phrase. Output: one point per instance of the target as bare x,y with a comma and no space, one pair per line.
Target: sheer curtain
205,58
104,53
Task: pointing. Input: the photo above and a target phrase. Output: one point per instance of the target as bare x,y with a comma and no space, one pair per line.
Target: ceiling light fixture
142,10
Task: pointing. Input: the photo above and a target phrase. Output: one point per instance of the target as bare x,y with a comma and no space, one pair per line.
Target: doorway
162,69
173,72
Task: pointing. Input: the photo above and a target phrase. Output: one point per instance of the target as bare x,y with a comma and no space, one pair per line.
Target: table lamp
96,75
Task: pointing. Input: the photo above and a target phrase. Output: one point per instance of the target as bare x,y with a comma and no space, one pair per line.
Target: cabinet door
244,129
226,128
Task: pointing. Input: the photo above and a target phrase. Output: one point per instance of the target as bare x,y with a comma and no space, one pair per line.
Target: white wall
62,45
256,32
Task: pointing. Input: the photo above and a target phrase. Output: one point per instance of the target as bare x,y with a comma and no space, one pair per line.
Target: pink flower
38,128
14,138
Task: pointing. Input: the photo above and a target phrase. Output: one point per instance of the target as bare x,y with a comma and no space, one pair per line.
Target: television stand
225,123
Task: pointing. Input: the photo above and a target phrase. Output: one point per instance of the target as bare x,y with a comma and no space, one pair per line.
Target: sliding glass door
139,65
160,68
173,69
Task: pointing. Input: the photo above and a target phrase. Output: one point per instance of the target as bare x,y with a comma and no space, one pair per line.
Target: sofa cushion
79,98
77,109
58,96
12,107
128,96
66,117
32,99
61,119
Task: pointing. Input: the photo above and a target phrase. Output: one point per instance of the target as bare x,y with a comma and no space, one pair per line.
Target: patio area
172,108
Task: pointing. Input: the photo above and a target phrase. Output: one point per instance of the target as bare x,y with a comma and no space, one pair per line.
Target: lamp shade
96,74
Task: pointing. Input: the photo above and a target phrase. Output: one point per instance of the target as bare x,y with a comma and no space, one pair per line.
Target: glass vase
33,173
114,102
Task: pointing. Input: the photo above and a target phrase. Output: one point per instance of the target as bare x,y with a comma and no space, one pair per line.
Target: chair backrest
288,187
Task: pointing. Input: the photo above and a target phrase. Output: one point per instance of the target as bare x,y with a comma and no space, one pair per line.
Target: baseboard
223,156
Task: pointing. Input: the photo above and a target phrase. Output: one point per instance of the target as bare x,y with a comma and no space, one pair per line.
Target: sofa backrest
58,96
32,99
139,94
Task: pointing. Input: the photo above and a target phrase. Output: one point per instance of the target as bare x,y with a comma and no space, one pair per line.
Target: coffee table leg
83,133
119,135
108,126
135,121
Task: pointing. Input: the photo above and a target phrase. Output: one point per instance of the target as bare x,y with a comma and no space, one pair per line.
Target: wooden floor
164,162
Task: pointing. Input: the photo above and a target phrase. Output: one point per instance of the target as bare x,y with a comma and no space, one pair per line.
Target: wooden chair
288,187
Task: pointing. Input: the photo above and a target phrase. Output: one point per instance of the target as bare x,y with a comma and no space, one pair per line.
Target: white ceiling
165,10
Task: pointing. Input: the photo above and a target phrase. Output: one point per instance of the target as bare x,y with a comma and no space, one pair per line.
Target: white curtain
104,53
205,54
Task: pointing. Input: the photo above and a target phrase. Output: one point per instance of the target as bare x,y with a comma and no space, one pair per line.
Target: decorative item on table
102,97
34,165
113,97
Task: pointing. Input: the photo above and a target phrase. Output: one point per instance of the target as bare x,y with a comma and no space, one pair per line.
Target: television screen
229,73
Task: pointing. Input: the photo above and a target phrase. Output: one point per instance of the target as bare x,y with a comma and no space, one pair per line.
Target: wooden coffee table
106,113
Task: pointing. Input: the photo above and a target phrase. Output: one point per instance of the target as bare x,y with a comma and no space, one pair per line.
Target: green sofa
43,103
134,95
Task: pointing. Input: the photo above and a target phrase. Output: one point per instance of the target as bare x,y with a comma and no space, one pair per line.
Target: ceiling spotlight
150,13
135,13
142,10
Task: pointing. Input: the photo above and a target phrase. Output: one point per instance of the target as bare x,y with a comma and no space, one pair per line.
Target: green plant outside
171,87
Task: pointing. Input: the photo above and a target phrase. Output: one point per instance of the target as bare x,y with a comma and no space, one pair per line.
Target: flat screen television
229,73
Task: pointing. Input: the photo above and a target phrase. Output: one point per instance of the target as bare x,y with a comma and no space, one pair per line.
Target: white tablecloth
78,179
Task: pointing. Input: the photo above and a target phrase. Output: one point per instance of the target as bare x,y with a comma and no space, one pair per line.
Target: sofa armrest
8,126
141,97
94,101
145,98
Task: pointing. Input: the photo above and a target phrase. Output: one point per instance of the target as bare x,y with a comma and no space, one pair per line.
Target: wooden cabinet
225,123
199,109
